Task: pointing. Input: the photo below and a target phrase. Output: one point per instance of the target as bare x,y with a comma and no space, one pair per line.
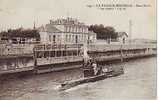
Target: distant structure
122,37
69,31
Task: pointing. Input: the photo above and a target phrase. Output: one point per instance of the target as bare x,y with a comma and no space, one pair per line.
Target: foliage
21,33
103,32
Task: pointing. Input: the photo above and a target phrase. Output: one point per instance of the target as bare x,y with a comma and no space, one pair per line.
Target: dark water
138,83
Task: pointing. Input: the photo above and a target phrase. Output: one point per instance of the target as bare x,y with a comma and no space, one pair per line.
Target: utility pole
68,14
34,25
130,31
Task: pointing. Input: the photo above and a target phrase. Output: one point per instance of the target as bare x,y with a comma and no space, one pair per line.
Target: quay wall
16,58
13,65
16,49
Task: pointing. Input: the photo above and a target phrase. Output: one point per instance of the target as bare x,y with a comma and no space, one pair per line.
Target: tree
13,33
20,33
103,32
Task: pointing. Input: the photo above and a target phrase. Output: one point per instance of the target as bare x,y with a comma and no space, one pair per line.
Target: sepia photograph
78,50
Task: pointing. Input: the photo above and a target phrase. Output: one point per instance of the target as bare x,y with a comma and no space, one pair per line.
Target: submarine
92,73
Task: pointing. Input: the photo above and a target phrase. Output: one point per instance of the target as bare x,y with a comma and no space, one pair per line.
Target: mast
130,31
121,53
85,55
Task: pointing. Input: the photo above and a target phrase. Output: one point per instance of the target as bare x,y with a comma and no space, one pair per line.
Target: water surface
138,83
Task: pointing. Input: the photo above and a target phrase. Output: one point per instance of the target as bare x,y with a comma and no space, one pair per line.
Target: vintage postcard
78,50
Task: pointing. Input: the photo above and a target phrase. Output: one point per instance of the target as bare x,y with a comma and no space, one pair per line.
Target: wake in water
58,87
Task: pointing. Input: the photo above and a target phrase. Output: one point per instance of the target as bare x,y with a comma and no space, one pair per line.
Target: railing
118,47
46,47
27,49
56,60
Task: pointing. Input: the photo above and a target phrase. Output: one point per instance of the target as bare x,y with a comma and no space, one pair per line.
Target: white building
66,31
92,37
122,37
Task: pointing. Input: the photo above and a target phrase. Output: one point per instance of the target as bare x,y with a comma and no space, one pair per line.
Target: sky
17,13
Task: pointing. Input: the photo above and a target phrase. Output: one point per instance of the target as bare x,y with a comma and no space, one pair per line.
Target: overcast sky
17,13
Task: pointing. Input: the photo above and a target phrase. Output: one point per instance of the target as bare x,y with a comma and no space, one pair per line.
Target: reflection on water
138,83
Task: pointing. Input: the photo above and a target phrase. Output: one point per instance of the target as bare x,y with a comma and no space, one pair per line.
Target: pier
103,53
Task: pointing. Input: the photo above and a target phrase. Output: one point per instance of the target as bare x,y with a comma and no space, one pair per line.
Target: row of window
76,29
75,38
67,38
46,54
54,38
56,47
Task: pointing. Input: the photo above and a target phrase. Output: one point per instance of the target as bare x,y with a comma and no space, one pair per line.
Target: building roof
120,34
50,28
91,32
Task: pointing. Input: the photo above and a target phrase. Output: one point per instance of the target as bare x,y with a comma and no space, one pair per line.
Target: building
67,31
122,37
92,37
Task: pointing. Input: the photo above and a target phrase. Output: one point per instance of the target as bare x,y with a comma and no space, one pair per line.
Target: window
69,37
58,53
84,30
66,29
73,28
58,38
72,38
52,54
69,53
49,38
66,38
69,29
54,38
74,53
76,29
39,54
46,54
76,39
64,53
